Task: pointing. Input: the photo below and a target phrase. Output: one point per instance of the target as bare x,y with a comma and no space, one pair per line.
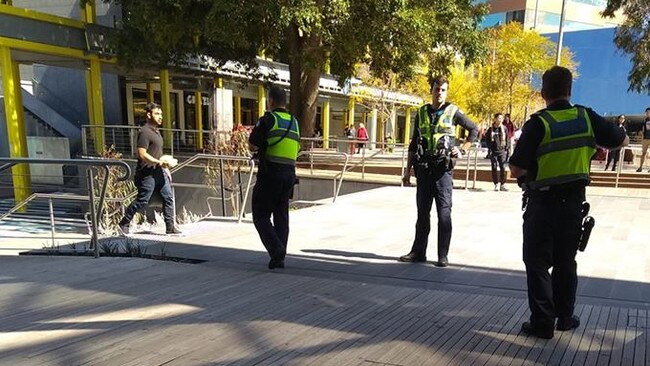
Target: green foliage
116,192
633,37
502,82
233,144
388,35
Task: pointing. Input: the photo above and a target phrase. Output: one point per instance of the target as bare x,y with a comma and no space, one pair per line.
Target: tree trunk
305,64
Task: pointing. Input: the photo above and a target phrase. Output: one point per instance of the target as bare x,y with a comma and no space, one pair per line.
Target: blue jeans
147,185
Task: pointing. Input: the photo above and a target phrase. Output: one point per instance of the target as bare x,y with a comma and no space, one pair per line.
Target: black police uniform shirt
149,138
646,129
459,119
498,138
260,132
607,134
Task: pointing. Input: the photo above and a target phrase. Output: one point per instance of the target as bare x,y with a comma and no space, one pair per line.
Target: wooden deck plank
450,325
609,338
496,324
373,347
616,355
589,325
598,340
641,339
631,336
497,348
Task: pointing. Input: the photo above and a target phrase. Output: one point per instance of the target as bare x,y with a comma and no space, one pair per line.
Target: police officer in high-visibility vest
431,151
552,162
276,136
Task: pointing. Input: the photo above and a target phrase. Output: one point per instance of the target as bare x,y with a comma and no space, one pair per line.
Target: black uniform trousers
148,184
498,158
433,184
271,196
552,227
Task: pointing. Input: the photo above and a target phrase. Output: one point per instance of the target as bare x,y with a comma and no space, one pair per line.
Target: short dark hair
556,82
496,115
621,115
151,106
647,109
438,80
278,95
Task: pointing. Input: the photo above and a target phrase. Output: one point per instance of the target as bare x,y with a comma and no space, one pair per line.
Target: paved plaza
343,298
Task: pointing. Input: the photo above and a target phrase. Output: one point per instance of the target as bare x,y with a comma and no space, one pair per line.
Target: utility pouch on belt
588,224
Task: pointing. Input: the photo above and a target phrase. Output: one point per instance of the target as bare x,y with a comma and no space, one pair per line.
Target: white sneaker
496,187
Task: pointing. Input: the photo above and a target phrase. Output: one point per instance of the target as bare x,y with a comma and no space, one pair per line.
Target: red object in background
601,154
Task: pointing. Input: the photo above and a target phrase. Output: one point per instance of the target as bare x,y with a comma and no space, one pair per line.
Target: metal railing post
475,168
223,191
84,141
469,161
620,164
403,167
94,242
363,164
52,222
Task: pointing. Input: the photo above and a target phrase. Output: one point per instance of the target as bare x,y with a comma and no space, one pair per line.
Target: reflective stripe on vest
565,153
444,126
283,150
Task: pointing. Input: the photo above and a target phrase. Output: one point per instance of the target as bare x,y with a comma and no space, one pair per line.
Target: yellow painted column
407,126
325,123
14,116
261,100
327,65
198,115
150,93
166,105
351,104
237,110
96,98
88,13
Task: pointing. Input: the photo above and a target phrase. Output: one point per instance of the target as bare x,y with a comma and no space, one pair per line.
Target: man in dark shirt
430,153
645,143
276,137
151,175
498,143
552,161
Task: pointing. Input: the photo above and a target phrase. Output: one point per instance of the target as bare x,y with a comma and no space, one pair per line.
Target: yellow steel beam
88,12
407,126
47,49
238,110
150,93
166,104
37,15
96,99
325,123
351,104
261,100
15,124
198,115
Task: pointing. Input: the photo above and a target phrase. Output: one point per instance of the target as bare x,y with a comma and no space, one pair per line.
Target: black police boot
412,258
530,329
276,263
564,324
442,262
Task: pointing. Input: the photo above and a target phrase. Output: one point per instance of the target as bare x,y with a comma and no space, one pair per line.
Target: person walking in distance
499,144
645,143
552,162
151,174
276,137
431,150
614,154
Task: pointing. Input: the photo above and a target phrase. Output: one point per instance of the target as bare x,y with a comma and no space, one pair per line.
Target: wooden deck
83,311
342,300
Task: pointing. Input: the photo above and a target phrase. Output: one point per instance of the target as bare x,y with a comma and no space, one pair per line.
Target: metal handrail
96,212
221,158
337,188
